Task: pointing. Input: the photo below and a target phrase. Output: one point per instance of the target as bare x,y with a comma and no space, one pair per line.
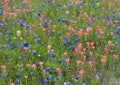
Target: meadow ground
59,42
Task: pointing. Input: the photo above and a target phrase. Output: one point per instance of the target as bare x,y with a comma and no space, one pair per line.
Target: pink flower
33,66
12,83
28,65
6,1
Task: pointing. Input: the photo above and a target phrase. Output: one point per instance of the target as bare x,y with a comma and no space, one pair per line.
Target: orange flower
3,66
103,60
84,56
79,62
44,71
59,70
65,53
27,65
81,72
114,56
106,49
41,63
84,49
92,63
33,66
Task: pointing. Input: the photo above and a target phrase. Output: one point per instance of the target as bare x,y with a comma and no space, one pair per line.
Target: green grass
14,66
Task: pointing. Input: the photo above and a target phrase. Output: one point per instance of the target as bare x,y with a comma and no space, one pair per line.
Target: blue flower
76,40
31,73
1,33
45,81
18,75
53,55
23,4
30,47
113,11
65,43
55,79
118,30
69,83
59,61
27,26
68,42
58,20
9,57
34,52
38,13
113,69
40,81
47,69
50,77
20,58
18,82
25,44
22,70
100,75
89,58
65,38
39,55
38,40
73,47
36,63
83,83
0,12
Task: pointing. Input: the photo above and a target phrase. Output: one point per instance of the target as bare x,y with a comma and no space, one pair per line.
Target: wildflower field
59,42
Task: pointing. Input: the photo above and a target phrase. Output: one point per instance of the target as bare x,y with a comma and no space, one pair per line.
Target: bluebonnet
27,26
113,69
59,61
65,38
20,58
107,18
100,75
45,81
83,83
95,0
58,20
118,30
65,43
9,57
69,83
55,79
25,44
76,40
36,63
8,32
5,46
50,77
23,4
113,11
73,47
22,70
31,73
18,82
53,55
89,58
93,5
34,52
39,55
0,12
47,69
38,14
7,39
40,81
30,47
18,75
69,42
